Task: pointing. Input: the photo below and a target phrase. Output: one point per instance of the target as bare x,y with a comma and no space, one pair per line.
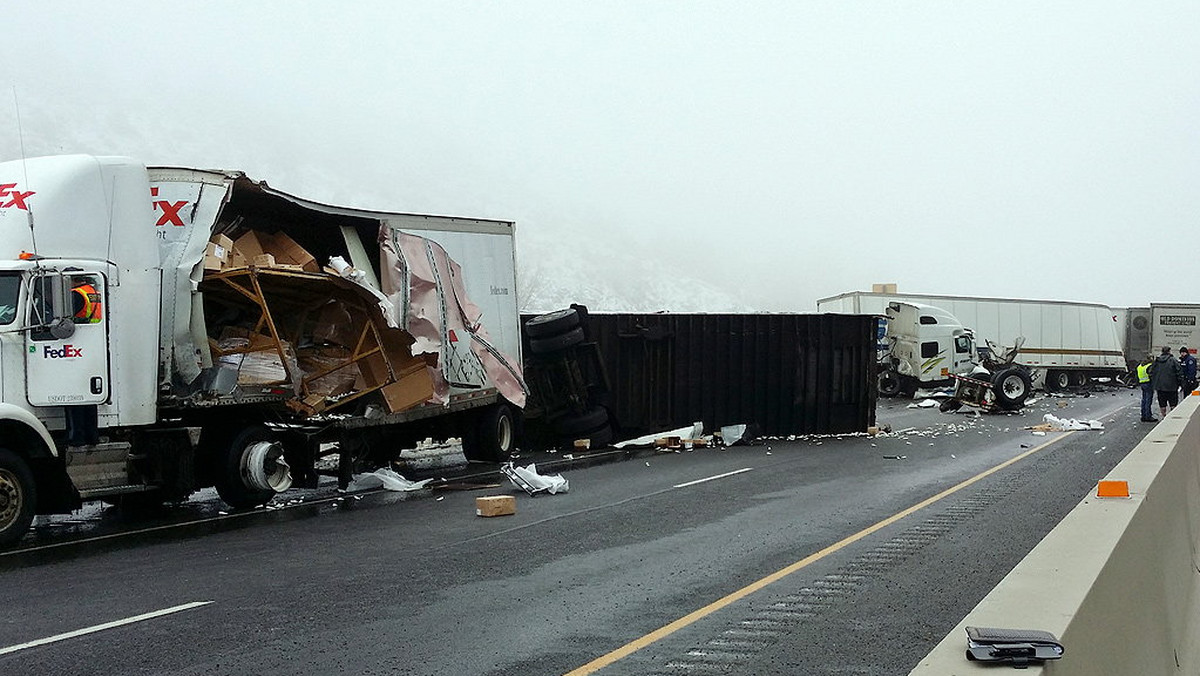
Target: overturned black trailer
783,373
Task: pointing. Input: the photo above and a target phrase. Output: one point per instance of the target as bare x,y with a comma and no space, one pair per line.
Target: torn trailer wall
268,296
785,373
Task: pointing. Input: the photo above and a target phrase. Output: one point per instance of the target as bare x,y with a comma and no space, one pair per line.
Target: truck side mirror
62,328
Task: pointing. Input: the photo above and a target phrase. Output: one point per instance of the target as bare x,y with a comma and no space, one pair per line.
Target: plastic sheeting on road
538,483
387,479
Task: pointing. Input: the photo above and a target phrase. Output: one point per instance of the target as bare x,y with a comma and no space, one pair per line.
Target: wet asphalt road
417,584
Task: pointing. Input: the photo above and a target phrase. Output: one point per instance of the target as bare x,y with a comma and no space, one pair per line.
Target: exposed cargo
1066,344
168,329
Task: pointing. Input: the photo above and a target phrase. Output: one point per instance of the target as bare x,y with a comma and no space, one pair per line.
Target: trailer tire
493,435
1011,388
555,343
552,323
18,497
949,405
1057,381
889,383
592,419
1079,379
236,478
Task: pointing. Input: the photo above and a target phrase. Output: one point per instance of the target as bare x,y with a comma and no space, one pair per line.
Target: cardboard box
264,261
216,254
495,505
883,288
214,257
410,389
283,248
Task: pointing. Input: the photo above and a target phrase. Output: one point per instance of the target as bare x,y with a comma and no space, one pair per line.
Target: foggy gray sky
784,151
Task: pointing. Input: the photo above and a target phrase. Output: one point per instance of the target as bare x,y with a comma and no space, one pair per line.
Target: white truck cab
925,346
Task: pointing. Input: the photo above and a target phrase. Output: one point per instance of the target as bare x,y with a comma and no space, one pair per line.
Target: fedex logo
65,352
170,210
11,197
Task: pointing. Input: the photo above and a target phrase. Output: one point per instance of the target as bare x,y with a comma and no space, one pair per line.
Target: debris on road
527,479
928,403
387,479
650,439
895,457
1055,424
495,505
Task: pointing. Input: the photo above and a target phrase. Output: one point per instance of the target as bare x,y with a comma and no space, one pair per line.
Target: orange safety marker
1112,489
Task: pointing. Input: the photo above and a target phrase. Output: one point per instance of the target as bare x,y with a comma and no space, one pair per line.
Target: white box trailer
1174,325
168,329
1066,343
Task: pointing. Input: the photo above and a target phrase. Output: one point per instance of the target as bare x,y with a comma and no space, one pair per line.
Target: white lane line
713,478
102,627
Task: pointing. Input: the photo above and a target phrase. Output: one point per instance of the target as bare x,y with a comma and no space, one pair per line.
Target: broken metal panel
786,373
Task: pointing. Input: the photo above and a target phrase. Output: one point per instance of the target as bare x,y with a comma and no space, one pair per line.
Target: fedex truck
168,329
1066,344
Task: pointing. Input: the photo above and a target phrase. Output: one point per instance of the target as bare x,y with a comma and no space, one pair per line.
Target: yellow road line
696,615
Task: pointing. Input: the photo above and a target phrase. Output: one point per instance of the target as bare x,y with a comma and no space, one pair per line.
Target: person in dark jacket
1166,376
1187,362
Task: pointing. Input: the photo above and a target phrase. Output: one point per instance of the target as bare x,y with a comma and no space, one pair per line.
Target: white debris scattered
1039,433
928,403
1065,424
385,478
538,482
649,439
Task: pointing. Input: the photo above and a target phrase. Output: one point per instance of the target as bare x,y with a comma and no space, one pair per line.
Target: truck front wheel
18,497
889,383
253,469
1011,387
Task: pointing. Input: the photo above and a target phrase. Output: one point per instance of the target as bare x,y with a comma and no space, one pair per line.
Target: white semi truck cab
114,383
925,346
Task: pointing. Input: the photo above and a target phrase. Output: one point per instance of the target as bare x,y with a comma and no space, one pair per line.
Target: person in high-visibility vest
88,308
1143,374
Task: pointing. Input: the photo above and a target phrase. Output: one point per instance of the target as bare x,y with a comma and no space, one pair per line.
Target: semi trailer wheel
253,469
555,343
552,323
18,497
1057,381
591,419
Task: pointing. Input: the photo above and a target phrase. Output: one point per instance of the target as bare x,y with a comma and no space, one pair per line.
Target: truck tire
1011,388
1080,379
592,419
552,323
1057,381
949,405
253,469
889,383
556,343
494,435
18,497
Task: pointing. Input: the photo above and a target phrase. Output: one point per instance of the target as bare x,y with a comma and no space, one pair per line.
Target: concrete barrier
1118,580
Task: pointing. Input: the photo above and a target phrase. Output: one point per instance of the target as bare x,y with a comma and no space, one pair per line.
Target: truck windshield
10,287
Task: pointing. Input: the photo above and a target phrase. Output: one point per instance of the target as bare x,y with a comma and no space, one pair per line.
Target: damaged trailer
782,374
267,359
